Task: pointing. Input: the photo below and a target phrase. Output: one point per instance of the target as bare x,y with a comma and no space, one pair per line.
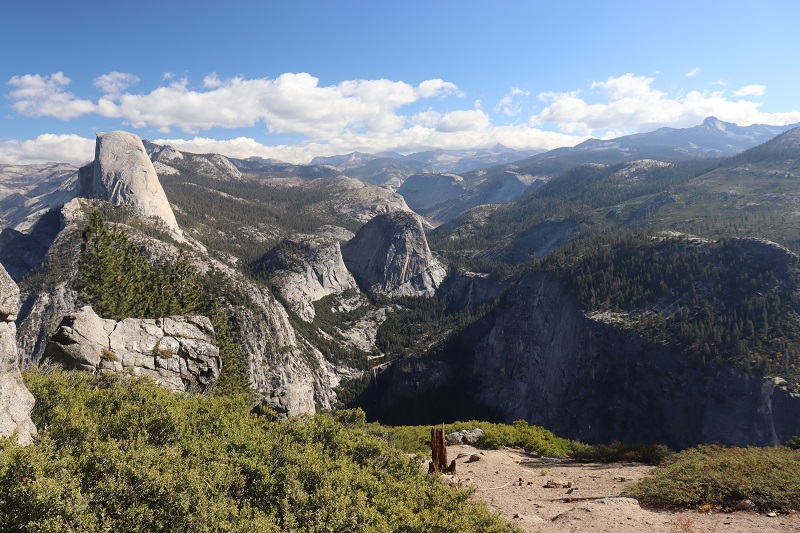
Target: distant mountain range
500,174
391,169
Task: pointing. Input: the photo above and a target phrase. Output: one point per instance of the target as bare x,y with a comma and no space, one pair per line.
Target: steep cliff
16,402
284,369
123,174
424,191
390,255
538,357
306,268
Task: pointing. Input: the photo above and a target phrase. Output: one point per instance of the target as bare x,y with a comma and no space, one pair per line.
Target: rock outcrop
537,357
178,351
123,174
424,191
16,401
306,268
390,255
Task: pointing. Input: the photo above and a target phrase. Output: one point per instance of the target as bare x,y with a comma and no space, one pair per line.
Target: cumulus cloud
47,148
470,120
211,81
115,82
45,96
751,90
290,103
363,115
692,73
630,103
511,104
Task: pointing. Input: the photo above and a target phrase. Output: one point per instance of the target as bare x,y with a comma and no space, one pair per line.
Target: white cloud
550,96
751,90
47,148
692,73
630,103
40,96
363,115
437,87
290,103
511,103
212,81
115,82
721,83
470,120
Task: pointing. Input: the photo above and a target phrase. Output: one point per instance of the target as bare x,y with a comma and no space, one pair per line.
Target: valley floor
512,482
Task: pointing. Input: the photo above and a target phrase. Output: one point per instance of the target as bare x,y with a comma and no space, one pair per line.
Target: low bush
719,477
123,454
533,439
619,452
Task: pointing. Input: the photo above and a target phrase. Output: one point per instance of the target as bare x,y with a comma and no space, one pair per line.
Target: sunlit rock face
16,401
123,174
178,352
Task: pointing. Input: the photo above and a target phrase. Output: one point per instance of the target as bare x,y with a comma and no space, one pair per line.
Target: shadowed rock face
16,402
178,352
123,174
537,357
390,255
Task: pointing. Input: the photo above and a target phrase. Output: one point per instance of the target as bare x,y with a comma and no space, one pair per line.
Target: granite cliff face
16,402
178,351
424,191
123,174
306,268
538,357
390,255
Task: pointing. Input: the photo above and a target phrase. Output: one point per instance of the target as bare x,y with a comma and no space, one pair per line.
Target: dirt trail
512,482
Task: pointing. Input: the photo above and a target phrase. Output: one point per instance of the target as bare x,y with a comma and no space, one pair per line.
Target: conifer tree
100,266
188,291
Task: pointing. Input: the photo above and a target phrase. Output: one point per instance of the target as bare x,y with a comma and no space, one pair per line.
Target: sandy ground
587,497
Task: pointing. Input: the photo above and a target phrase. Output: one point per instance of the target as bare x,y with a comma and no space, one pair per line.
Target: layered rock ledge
179,352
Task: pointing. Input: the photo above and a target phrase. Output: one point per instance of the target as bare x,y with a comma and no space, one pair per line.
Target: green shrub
533,439
123,454
651,454
720,477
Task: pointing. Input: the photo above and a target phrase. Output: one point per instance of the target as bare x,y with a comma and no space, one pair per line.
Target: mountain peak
123,174
715,123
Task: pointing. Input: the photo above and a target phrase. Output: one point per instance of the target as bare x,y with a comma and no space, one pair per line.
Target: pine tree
100,266
188,291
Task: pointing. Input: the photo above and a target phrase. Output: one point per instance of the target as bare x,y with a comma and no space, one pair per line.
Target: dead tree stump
438,450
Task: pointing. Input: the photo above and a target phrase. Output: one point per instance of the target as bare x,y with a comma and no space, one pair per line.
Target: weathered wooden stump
438,450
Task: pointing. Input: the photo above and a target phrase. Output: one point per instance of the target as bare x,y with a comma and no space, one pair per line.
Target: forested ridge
732,301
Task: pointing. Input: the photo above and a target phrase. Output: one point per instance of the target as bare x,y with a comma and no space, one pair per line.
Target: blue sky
292,80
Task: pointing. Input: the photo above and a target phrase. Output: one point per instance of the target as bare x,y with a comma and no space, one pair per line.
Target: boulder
16,401
179,352
464,437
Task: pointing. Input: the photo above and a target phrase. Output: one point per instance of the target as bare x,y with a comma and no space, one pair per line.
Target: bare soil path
586,497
